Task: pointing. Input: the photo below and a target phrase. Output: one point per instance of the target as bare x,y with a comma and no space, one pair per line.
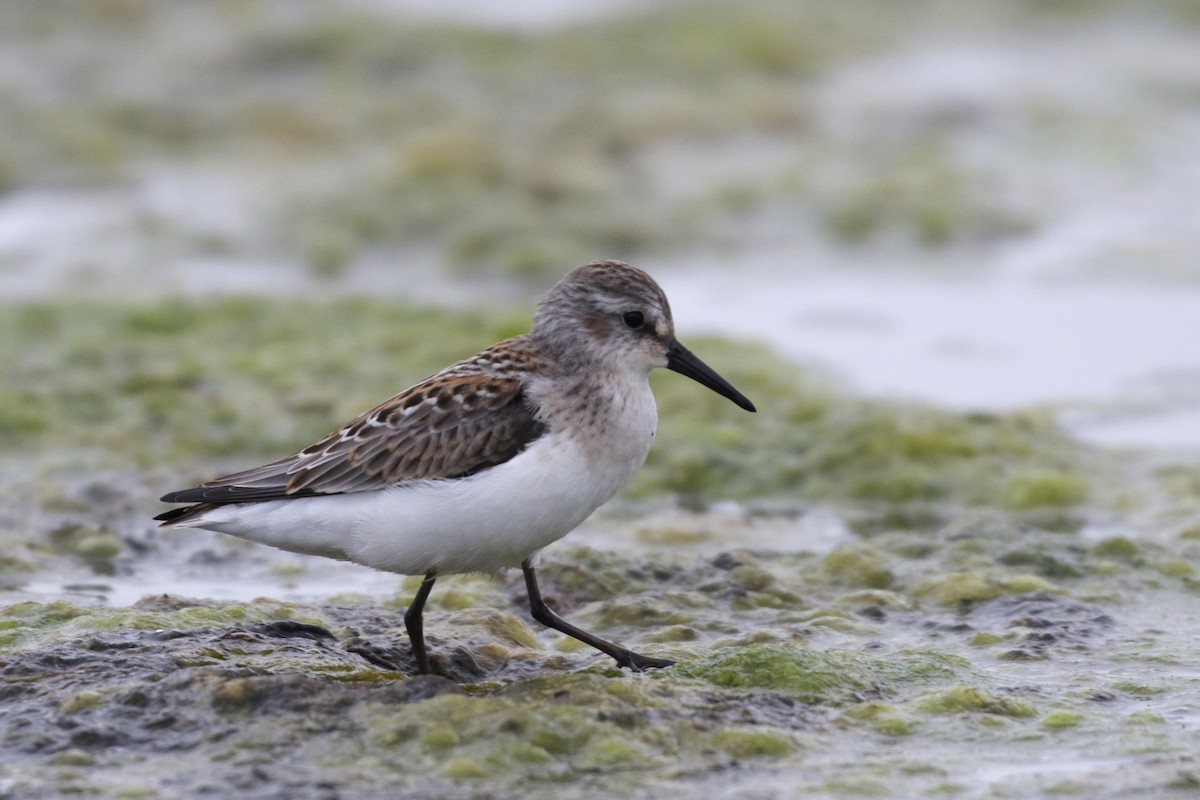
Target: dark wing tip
217,495
174,514
204,498
181,496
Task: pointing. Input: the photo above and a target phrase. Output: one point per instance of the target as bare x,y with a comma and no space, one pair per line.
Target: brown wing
462,420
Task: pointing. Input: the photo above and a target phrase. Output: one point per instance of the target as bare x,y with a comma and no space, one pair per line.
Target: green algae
960,589
1046,563
816,676
463,767
643,612
852,786
924,193
674,633
751,577
1062,718
858,565
73,757
22,414
1177,568
916,666
1138,689
986,638
884,717
756,742
1027,584
94,544
824,617
963,699
827,677
440,738
611,753
80,701
965,590
1118,547
875,598
461,735
201,378
31,623
1191,532
825,445
1037,489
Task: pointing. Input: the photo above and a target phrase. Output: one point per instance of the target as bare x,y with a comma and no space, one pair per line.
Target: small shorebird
479,467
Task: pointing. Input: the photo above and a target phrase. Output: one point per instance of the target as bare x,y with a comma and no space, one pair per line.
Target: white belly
483,523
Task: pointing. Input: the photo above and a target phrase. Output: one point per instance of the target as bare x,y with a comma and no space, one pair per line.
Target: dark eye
633,319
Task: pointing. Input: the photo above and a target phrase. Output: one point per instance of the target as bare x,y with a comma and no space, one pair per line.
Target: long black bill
684,361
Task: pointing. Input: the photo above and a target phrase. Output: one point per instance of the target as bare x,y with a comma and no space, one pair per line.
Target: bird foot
640,663
384,657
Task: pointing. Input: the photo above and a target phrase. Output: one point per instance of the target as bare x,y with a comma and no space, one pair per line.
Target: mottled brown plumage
466,418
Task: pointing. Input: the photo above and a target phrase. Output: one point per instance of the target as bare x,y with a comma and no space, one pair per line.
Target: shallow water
1118,355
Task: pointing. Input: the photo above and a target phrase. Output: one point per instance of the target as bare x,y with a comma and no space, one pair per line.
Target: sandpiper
480,466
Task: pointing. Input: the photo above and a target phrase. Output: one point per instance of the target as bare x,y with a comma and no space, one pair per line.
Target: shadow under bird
480,466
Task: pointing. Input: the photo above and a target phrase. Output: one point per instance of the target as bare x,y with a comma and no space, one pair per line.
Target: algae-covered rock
1045,563
1119,547
816,676
92,543
612,753
80,701
884,717
1039,488
960,589
1062,718
73,757
751,577
755,742
858,565
960,699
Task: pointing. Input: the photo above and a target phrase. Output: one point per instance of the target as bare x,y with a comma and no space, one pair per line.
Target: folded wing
459,422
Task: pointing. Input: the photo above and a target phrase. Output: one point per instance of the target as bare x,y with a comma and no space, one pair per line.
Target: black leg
542,613
416,626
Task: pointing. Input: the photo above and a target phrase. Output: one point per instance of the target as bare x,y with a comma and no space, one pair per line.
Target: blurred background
980,205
